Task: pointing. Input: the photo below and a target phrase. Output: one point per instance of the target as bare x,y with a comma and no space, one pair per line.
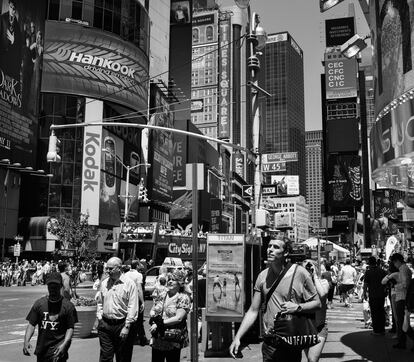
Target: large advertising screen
392,29
109,205
94,63
162,150
344,181
21,55
338,31
286,184
225,276
340,76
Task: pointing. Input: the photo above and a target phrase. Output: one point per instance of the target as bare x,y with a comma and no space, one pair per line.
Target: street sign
279,157
16,250
268,190
247,191
319,230
274,167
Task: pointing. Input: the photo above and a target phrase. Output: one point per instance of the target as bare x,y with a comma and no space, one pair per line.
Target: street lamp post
128,170
257,41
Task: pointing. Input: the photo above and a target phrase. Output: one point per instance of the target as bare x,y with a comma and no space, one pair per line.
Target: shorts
345,288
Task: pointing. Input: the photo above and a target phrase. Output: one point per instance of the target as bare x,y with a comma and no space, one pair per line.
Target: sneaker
399,346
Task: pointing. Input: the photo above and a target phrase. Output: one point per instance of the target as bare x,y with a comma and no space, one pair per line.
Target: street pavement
348,340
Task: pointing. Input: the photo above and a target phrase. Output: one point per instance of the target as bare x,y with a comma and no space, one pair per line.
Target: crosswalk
345,315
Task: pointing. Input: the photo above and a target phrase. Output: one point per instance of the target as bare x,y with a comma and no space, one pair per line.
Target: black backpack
409,300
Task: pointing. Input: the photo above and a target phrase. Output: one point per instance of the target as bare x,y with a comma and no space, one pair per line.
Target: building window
196,35
77,9
209,33
53,11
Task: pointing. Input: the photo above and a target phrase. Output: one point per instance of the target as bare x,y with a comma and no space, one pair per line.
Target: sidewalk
348,340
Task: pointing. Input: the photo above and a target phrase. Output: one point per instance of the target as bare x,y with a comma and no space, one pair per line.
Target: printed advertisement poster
92,62
285,184
225,276
180,12
109,212
162,151
21,55
344,181
392,29
340,76
338,31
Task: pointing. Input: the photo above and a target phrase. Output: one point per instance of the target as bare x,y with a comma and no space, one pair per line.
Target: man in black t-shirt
55,317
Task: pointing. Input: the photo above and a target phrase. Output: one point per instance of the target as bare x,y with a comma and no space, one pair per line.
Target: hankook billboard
97,64
21,54
392,30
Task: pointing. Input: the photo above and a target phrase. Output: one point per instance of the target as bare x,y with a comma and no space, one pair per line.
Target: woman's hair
178,276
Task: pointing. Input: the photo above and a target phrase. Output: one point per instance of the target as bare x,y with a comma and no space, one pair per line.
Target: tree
77,235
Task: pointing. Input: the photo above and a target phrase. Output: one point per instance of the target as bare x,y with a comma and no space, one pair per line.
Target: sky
304,22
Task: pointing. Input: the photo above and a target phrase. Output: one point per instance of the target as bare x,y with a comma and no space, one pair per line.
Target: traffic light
142,192
54,149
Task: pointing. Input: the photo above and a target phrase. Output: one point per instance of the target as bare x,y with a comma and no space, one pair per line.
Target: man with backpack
284,289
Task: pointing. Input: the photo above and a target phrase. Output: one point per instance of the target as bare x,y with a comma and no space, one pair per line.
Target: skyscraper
283,121
314,175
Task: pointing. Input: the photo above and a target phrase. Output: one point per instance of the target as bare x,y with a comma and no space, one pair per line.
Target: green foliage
75,235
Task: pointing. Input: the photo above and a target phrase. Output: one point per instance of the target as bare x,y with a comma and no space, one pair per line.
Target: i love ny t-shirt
53,319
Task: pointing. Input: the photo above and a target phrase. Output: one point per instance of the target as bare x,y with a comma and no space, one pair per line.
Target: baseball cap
54,277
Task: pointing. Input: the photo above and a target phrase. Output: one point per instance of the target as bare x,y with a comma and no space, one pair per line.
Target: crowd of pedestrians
284,288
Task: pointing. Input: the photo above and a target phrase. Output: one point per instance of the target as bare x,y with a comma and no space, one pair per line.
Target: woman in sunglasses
169,325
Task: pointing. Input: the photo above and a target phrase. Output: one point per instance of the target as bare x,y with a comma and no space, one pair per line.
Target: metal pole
319,254
128,169
194,319
3,245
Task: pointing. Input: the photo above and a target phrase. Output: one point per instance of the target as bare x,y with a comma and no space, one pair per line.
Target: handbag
176,335
295,330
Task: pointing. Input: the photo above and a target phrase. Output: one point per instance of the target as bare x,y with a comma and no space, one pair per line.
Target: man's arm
141,296
132,310
99,305
61,348
27,336
248,321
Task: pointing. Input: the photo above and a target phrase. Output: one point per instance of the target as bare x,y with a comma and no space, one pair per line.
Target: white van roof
173,262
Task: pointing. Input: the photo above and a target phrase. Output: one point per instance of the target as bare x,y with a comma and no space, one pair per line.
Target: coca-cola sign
344,181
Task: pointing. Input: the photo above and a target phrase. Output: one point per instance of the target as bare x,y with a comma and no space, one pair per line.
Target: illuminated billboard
88,61
340,76
338,31
286,184
392,29
162,151
21,55
344,181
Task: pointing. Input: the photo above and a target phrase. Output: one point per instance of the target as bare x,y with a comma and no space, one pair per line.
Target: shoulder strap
291,283
275,284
